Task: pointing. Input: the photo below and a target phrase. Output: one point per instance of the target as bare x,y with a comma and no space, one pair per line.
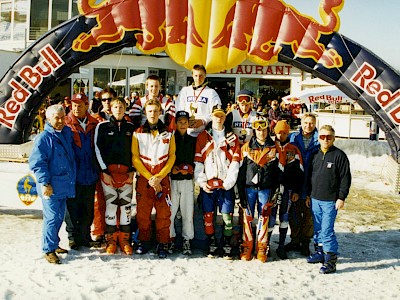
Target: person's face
198,77
78,109
261,134
106,100
308,125
153,87
218,120
57,120
282,136
182,125
118,110
152,113
326,139
244,107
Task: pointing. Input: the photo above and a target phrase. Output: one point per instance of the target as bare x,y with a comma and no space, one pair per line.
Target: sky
371,23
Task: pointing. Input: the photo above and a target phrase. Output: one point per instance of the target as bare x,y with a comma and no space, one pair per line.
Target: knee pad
227,218
209,223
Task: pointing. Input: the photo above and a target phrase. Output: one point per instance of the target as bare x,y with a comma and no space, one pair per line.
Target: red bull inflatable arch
217,34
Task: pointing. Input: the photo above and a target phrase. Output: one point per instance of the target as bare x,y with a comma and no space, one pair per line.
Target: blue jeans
259,197
53,216
223,199
324,215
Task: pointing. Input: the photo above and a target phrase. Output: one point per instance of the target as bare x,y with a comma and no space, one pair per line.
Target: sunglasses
326,137
260,124
243,100
106,99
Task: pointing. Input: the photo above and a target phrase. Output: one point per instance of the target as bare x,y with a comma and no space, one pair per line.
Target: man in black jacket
328,185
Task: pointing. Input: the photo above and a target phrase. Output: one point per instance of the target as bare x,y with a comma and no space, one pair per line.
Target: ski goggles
260,124
327,137
244,99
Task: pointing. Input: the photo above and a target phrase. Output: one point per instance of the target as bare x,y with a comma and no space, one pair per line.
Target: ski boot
186,248
111,240
123,240
329,265
262,250
246,251
162,250
317,256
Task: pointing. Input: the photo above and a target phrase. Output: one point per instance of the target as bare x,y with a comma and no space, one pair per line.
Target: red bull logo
30,78
366,79
217,34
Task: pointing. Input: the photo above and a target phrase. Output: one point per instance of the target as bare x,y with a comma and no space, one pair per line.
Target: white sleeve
199,175
232,175
97,151
180,102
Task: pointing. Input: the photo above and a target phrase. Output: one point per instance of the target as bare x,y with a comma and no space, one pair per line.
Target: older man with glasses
328,184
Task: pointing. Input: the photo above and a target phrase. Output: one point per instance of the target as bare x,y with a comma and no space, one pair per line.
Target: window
266,88
101,77
59,13
5,20
39,18
119,81
137,80
20,12
75,11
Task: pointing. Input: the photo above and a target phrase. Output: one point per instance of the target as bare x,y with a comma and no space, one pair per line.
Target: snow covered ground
368,231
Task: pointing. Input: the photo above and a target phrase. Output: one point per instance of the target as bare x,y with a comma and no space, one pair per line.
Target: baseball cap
282,126
79,98
217,110
182,114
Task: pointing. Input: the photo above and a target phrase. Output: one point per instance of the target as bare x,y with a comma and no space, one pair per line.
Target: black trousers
80,213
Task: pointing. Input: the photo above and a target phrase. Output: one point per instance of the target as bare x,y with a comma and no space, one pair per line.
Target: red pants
99,223
146,200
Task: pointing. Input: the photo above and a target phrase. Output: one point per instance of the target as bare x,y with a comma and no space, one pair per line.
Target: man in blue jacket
300,219
53,162
80,210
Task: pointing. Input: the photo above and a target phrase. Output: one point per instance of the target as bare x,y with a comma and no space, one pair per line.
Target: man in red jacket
80,210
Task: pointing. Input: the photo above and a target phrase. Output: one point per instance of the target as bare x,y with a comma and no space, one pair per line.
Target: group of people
117,165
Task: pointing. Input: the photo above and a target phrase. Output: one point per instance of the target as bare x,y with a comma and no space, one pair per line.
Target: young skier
292,178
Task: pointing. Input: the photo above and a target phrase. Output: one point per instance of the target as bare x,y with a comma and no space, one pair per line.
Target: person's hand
157,188
107,179
339,204
47,191
308,201
207,188
129,180
195,123
295,197
154,181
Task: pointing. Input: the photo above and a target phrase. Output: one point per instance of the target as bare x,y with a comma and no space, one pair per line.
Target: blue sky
374,24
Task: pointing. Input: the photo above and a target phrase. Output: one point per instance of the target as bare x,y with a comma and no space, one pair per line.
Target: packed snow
368,266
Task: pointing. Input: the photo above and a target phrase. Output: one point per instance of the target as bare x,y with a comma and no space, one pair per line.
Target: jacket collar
160,127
